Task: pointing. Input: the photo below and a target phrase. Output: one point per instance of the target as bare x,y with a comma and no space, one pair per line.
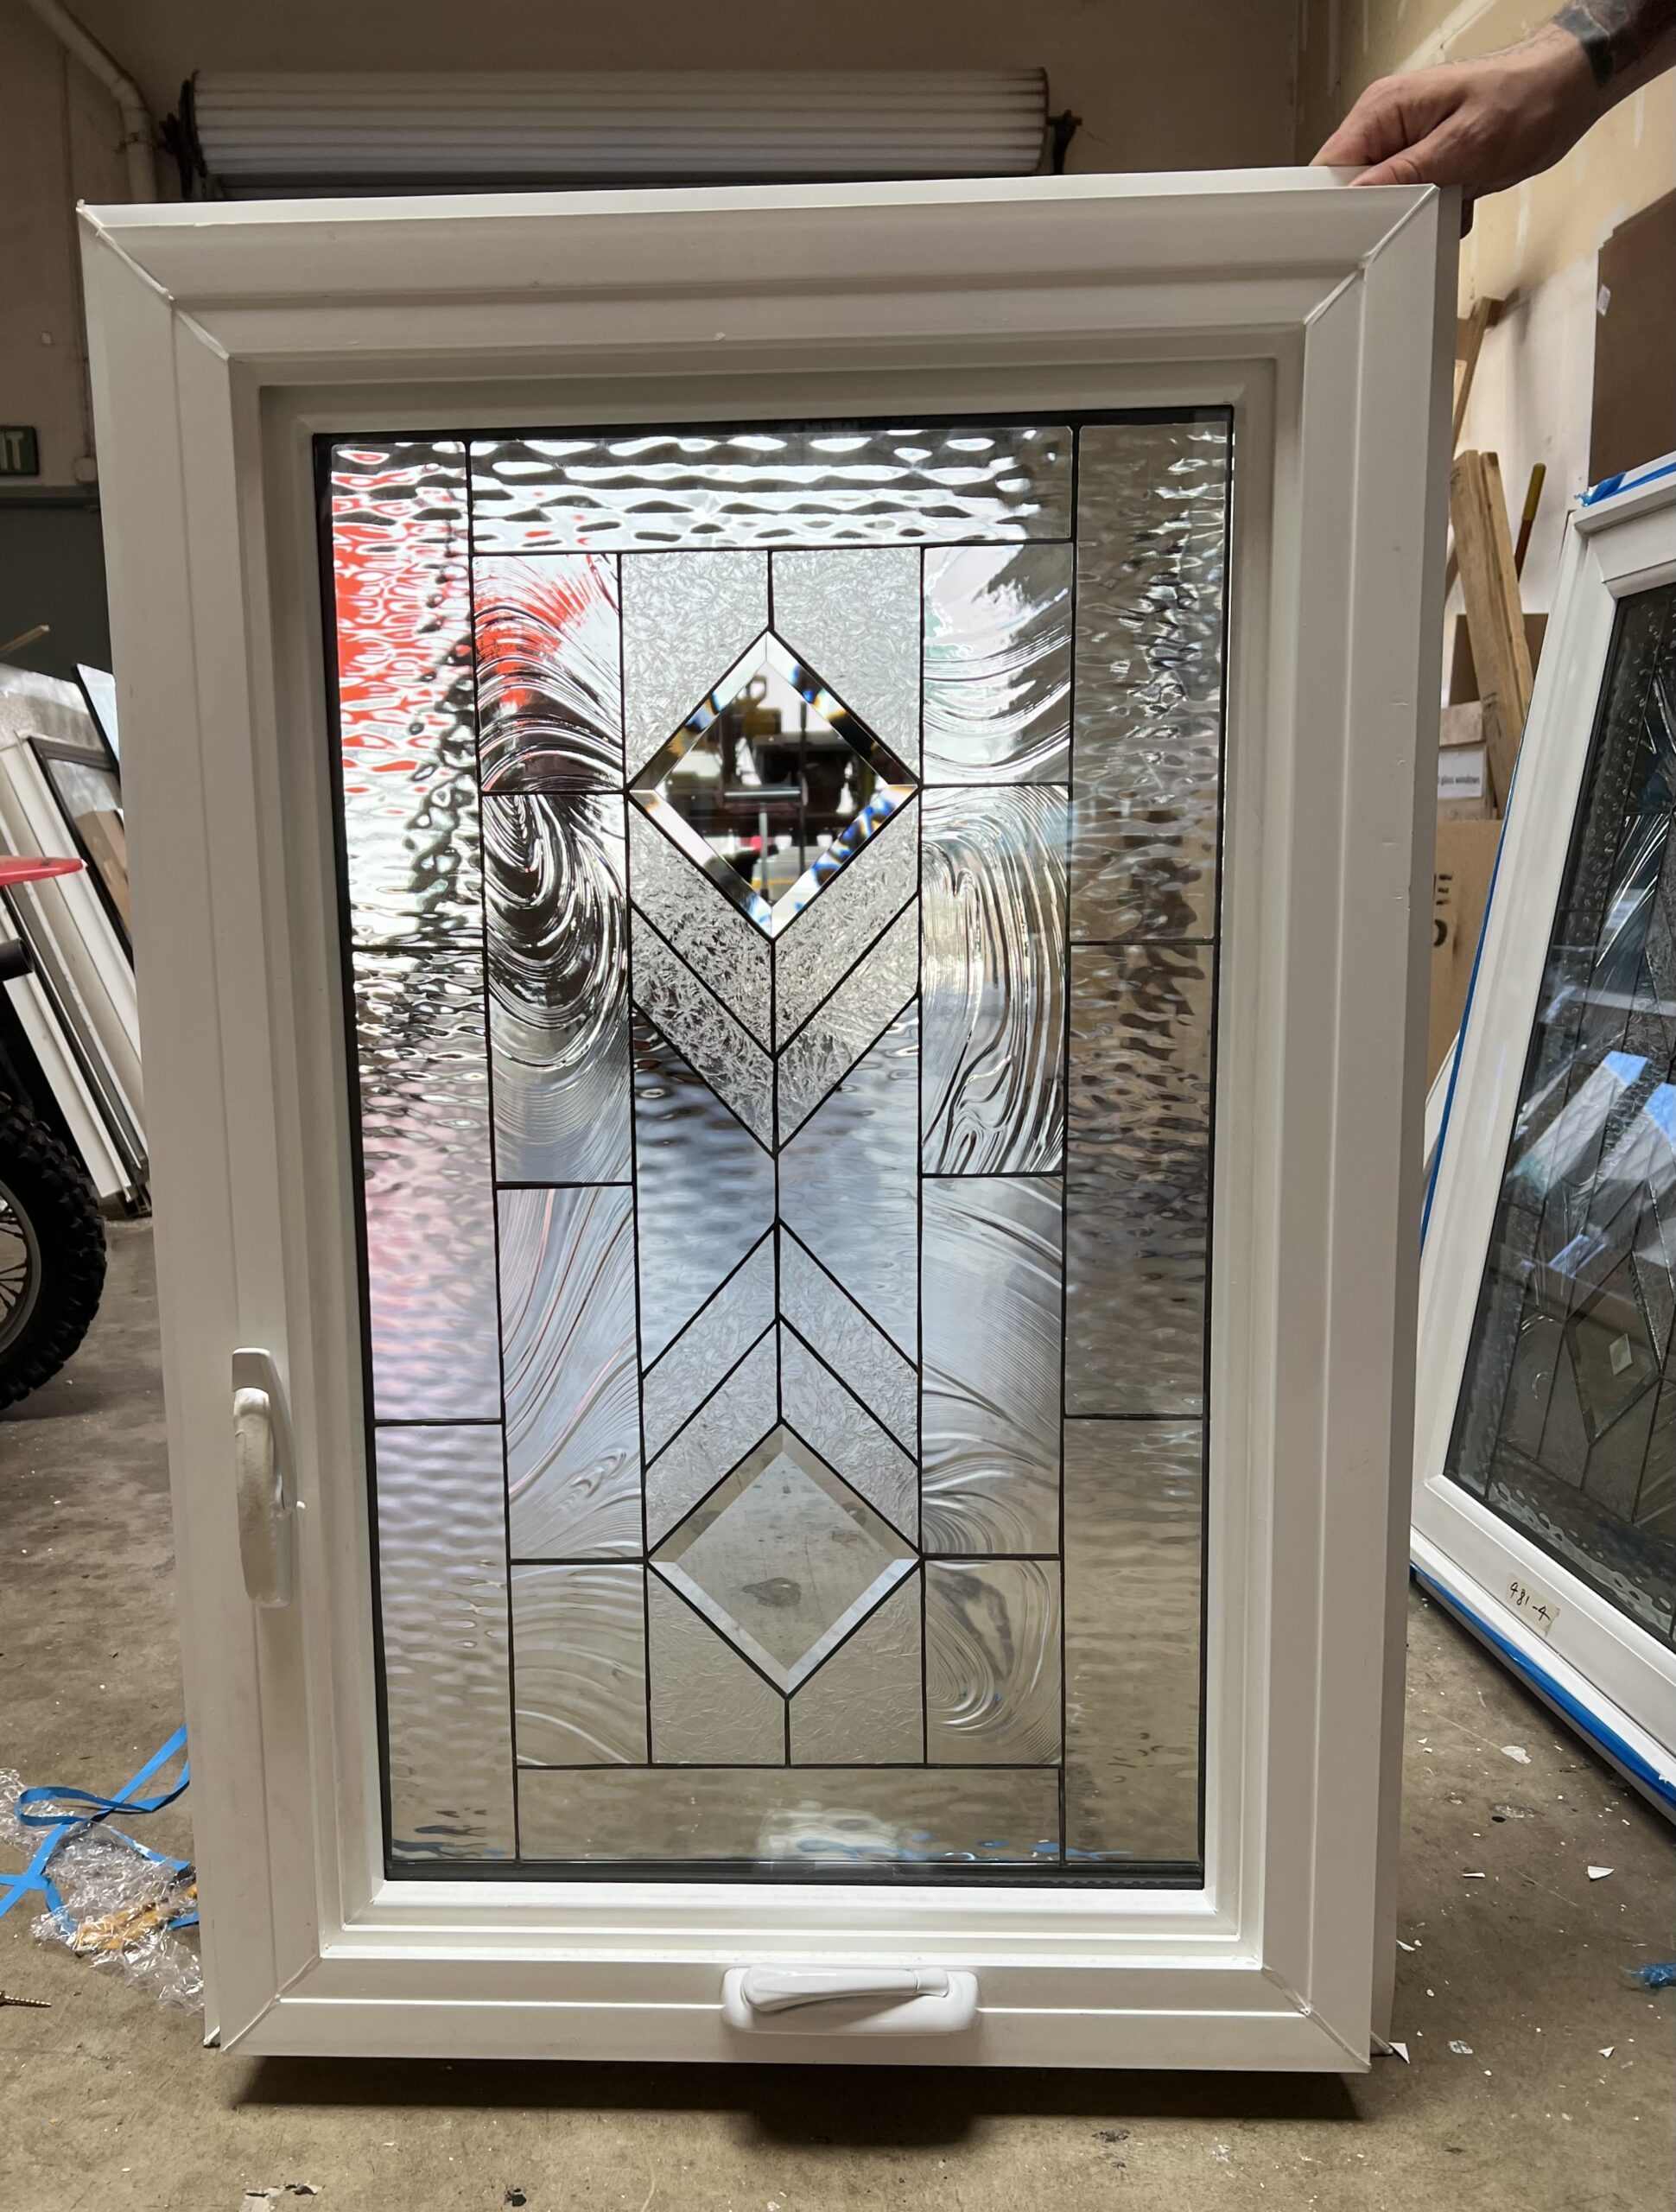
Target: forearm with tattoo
1618,35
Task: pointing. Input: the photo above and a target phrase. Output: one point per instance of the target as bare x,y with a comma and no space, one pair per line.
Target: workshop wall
1535,247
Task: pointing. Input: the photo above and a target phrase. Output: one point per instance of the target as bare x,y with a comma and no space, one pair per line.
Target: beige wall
1208,86
1533,247
1521,237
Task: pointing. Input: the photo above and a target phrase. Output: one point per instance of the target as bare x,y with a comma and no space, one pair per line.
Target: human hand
1483,125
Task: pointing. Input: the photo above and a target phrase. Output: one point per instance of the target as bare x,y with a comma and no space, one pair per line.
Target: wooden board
1490,586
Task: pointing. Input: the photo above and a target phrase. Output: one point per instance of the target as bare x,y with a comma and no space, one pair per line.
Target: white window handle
849,2001
262,1479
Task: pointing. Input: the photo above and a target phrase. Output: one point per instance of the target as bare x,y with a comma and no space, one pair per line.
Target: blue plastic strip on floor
61,1824
1538,1678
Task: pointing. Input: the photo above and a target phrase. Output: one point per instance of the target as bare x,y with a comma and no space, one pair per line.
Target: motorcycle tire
52,1253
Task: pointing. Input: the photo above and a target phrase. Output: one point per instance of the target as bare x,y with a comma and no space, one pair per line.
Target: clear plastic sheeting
1565,1426
120,1905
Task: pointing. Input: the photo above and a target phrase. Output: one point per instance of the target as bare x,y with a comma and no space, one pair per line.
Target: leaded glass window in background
1566,1422
782,871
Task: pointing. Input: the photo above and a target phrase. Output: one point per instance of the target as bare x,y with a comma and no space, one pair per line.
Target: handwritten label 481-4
1532,1607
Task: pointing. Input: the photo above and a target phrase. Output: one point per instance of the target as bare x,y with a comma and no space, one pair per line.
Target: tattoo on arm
1615,34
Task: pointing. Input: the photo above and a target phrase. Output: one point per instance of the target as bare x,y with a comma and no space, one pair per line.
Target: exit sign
20,450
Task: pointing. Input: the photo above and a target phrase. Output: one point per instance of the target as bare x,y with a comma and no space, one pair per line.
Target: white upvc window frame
1565,1637
224,340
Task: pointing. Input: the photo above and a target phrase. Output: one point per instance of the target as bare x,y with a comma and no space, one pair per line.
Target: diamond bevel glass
771,784
784,1558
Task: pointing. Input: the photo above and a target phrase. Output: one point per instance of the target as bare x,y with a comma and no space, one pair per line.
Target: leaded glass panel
781,867
1565,1424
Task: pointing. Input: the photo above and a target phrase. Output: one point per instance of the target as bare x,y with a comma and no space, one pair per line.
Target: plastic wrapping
123,1907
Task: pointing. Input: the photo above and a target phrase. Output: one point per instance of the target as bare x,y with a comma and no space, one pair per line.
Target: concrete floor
1563,2100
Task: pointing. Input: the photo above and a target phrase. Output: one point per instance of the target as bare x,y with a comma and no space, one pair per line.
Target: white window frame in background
224,340
1567,1640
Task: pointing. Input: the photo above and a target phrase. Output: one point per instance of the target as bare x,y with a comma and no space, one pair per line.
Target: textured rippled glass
836,1035
1137,1178
712,1343
806,1816
998,664
709,1706
406,728
1135,1498
855,616
737,1415
848,1342
579,1662
786,485
442,1606
573,1417
698,1025
819,1407
424,1095
991,981
704,1189
784,1558
848,1184
718,943
812,956
1146,785
1565,1424
989,1411
865,1706
555,933
686,617
992,1663
549,686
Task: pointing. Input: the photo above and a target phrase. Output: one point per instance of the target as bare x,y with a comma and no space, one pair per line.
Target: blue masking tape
61,1826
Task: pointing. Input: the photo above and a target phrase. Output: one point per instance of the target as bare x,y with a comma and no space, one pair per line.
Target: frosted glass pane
713,1342
739,1413
870,998
1146,783
784,486
424,1096
841,1817
549,689
992,980
579,1657
1137,1180
812,958
407,736
556,928
700,1028
442,1602
708,1705
573,1427
992,1663
1135,1498
686,617
998,634
819,1407
847,1341
864,1706
989,1418
720,946
856,615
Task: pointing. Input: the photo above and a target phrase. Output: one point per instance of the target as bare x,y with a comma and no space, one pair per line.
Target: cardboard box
1460,889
